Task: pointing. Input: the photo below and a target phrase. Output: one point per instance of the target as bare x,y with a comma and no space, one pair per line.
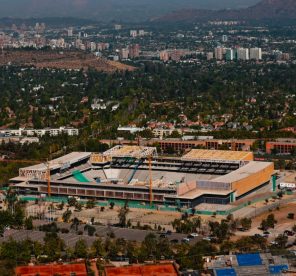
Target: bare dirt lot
61,60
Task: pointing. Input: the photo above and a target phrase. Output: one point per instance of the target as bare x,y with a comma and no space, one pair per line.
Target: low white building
39,132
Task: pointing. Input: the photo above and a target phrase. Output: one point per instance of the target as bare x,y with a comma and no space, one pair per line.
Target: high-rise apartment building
224,38
243,54
134,50
117,27
133,33
219,53
210,55
229,54
256,53
124,52
70,32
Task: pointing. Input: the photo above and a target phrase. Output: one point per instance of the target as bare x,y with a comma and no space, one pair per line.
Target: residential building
229,54
134,50
133,33
130,129
117,27
281,146
40,132
124,52
243,54
219,53
210,55
70,32
256,53
224,38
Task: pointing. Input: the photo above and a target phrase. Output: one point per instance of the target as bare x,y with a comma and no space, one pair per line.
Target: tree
19,216
66,215
264,225
290,216
53,246
90,204
90,229
220,230
122,215
80,249
112,205
78,206
281,241
75,224
98,248
72,201
270,221
61,205
246,223
29,223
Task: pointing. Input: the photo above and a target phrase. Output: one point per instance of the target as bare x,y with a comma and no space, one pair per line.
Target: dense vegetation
262,96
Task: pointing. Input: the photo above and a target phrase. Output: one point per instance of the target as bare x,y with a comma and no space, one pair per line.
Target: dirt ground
61,60
283,223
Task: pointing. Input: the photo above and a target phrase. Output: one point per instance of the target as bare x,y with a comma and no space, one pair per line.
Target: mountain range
108,10
266,9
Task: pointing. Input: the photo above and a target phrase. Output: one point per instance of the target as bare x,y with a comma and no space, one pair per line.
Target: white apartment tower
243,54
256,53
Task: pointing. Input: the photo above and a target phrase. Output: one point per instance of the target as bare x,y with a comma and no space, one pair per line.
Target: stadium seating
79,176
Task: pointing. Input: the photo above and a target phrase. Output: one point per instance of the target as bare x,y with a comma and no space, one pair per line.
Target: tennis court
249,259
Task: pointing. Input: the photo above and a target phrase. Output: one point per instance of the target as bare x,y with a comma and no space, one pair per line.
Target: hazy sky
109,9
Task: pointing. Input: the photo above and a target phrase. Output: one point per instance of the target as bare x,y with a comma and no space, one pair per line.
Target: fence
140,205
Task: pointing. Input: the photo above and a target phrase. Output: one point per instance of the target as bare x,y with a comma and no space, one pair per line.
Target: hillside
266,9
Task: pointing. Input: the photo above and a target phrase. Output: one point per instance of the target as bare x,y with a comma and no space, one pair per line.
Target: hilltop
266,9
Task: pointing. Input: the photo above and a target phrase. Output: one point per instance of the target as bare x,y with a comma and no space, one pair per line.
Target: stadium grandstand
137,173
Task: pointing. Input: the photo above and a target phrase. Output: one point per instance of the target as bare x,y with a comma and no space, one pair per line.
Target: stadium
138,174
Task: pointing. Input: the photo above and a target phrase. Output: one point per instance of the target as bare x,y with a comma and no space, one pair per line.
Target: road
101,231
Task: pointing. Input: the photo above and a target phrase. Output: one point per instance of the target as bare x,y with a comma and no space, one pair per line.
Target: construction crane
150,180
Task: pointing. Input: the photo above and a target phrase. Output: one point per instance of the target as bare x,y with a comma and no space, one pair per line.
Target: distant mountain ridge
108,10
266,9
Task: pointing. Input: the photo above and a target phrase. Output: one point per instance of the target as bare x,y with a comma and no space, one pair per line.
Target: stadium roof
249,169
212,155
70,158
130,151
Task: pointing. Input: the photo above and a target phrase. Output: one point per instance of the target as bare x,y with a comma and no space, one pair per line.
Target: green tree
80,249
122,215
246,223
66,215
29,223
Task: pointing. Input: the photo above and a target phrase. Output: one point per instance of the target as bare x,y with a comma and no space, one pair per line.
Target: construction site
139,174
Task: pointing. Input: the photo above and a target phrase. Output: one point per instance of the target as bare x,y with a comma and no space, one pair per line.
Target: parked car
194,235
185,240
289,233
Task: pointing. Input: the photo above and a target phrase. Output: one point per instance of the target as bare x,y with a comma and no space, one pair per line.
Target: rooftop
212,155
130,151
249,169
70,158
